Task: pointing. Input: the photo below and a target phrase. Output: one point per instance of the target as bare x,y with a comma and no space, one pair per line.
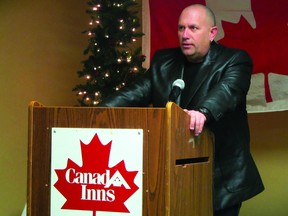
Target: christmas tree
111,63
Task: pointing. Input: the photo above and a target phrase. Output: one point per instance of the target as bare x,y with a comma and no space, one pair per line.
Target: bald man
217,80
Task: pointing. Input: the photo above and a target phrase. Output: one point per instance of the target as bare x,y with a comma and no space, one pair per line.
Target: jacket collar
204,71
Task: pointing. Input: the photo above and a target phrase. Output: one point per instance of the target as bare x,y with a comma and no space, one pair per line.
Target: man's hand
197,120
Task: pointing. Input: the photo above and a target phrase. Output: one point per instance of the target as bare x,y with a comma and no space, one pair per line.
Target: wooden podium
177,167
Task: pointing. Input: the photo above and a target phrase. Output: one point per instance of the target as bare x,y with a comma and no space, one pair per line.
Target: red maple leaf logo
95,186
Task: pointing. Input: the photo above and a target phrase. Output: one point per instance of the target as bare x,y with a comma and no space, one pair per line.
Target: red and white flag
259,27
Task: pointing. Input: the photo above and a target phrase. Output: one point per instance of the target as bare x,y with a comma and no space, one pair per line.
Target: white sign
96,172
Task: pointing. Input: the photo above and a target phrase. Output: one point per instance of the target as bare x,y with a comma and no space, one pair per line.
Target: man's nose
185,33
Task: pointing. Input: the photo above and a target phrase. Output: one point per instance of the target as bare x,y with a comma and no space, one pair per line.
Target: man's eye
180,28
193,27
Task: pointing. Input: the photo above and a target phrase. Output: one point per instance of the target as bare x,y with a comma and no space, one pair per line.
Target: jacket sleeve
139,93
229,87
136,94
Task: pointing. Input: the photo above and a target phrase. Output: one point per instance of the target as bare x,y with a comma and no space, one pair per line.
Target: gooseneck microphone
177,86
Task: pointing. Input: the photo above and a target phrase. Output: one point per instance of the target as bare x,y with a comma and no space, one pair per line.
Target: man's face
195,33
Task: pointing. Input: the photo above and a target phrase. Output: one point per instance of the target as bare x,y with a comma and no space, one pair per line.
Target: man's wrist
205,112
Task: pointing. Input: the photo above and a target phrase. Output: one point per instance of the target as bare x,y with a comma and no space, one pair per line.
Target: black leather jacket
220,88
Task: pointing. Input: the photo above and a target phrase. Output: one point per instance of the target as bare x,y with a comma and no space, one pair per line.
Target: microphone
177,86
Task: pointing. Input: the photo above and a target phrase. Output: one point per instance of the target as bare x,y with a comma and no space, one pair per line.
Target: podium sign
96,172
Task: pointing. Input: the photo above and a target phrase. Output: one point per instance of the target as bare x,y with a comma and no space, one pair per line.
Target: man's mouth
186,45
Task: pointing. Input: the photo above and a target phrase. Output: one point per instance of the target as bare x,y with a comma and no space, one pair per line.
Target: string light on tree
111,63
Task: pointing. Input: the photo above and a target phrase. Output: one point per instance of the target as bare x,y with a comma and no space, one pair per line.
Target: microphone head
179,83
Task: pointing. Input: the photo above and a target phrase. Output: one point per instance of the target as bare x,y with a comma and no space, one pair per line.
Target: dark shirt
190,72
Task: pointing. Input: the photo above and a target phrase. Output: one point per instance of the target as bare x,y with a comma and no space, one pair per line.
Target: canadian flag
257,26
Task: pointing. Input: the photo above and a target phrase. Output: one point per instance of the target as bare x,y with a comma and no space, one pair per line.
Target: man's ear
213,32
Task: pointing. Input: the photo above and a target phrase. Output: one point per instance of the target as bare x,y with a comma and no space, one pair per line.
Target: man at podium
217,80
